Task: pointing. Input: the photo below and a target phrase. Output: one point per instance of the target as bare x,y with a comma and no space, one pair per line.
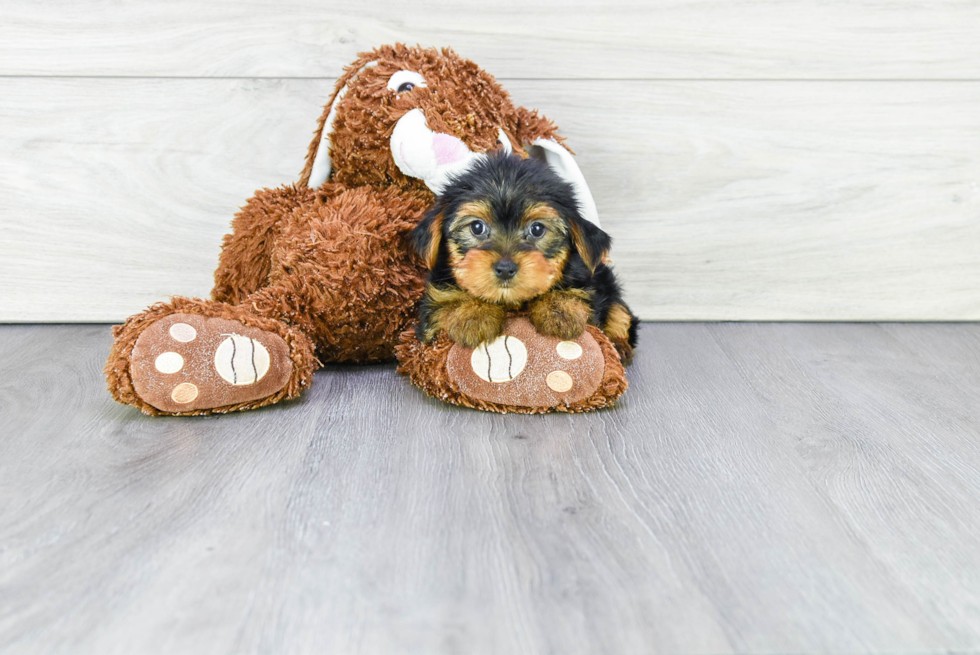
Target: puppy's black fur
509,196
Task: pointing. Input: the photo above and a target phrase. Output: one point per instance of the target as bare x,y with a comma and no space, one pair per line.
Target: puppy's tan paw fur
562,314
471,322
617,328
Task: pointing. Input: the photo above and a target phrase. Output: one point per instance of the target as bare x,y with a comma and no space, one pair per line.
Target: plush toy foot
172,362
521,371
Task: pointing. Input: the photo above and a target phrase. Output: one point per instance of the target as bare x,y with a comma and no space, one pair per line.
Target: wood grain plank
873,435
661,39
761,488
727,200
785,201
107,177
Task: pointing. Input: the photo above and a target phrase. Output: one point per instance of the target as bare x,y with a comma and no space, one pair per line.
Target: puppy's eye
478,228
536,230
404,81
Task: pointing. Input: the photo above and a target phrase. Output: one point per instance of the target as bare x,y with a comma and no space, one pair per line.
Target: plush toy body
322,271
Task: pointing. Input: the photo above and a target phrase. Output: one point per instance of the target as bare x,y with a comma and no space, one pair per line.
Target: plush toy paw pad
186,362
500,360
524,368
568,350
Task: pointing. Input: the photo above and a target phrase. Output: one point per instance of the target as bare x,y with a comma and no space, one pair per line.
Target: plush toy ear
427,235
318,164
591,242
561,161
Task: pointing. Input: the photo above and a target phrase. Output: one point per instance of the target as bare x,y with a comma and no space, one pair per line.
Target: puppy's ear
427,235
591,242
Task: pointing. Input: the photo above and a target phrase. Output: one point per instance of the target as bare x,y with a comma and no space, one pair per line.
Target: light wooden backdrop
753,160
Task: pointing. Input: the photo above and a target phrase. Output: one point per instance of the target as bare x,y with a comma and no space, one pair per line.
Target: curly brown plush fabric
329,269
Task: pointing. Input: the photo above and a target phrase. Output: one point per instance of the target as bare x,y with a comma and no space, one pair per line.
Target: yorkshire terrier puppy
507,234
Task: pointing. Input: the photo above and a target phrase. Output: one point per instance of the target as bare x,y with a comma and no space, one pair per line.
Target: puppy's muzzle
505,269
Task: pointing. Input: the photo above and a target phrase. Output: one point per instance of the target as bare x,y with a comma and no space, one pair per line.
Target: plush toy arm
245,259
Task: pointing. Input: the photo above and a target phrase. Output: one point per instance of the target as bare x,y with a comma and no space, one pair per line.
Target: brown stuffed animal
321,271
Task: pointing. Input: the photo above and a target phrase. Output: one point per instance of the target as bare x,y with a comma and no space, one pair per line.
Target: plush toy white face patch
426,155
434,157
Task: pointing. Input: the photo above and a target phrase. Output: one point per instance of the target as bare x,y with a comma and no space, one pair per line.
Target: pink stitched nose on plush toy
448,148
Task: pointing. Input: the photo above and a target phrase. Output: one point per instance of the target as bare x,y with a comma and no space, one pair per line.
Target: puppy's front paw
562,314
473,322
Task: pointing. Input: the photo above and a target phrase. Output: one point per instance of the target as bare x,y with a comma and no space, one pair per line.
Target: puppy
507,234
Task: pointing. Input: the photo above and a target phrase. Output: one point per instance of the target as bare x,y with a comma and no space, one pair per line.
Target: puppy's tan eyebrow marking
539,211
478,208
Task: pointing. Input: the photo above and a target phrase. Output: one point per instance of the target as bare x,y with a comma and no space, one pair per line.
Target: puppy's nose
505,269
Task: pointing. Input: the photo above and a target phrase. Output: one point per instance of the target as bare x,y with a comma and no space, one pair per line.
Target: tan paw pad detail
559,381
186,362
184,393
183,332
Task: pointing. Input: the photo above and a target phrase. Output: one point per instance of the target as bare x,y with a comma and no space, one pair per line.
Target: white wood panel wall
753,160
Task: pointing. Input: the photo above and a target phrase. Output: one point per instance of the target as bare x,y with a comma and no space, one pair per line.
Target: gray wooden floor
762,488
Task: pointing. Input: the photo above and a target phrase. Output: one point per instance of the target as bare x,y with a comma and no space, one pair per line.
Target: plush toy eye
536,230
478,228
404,81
